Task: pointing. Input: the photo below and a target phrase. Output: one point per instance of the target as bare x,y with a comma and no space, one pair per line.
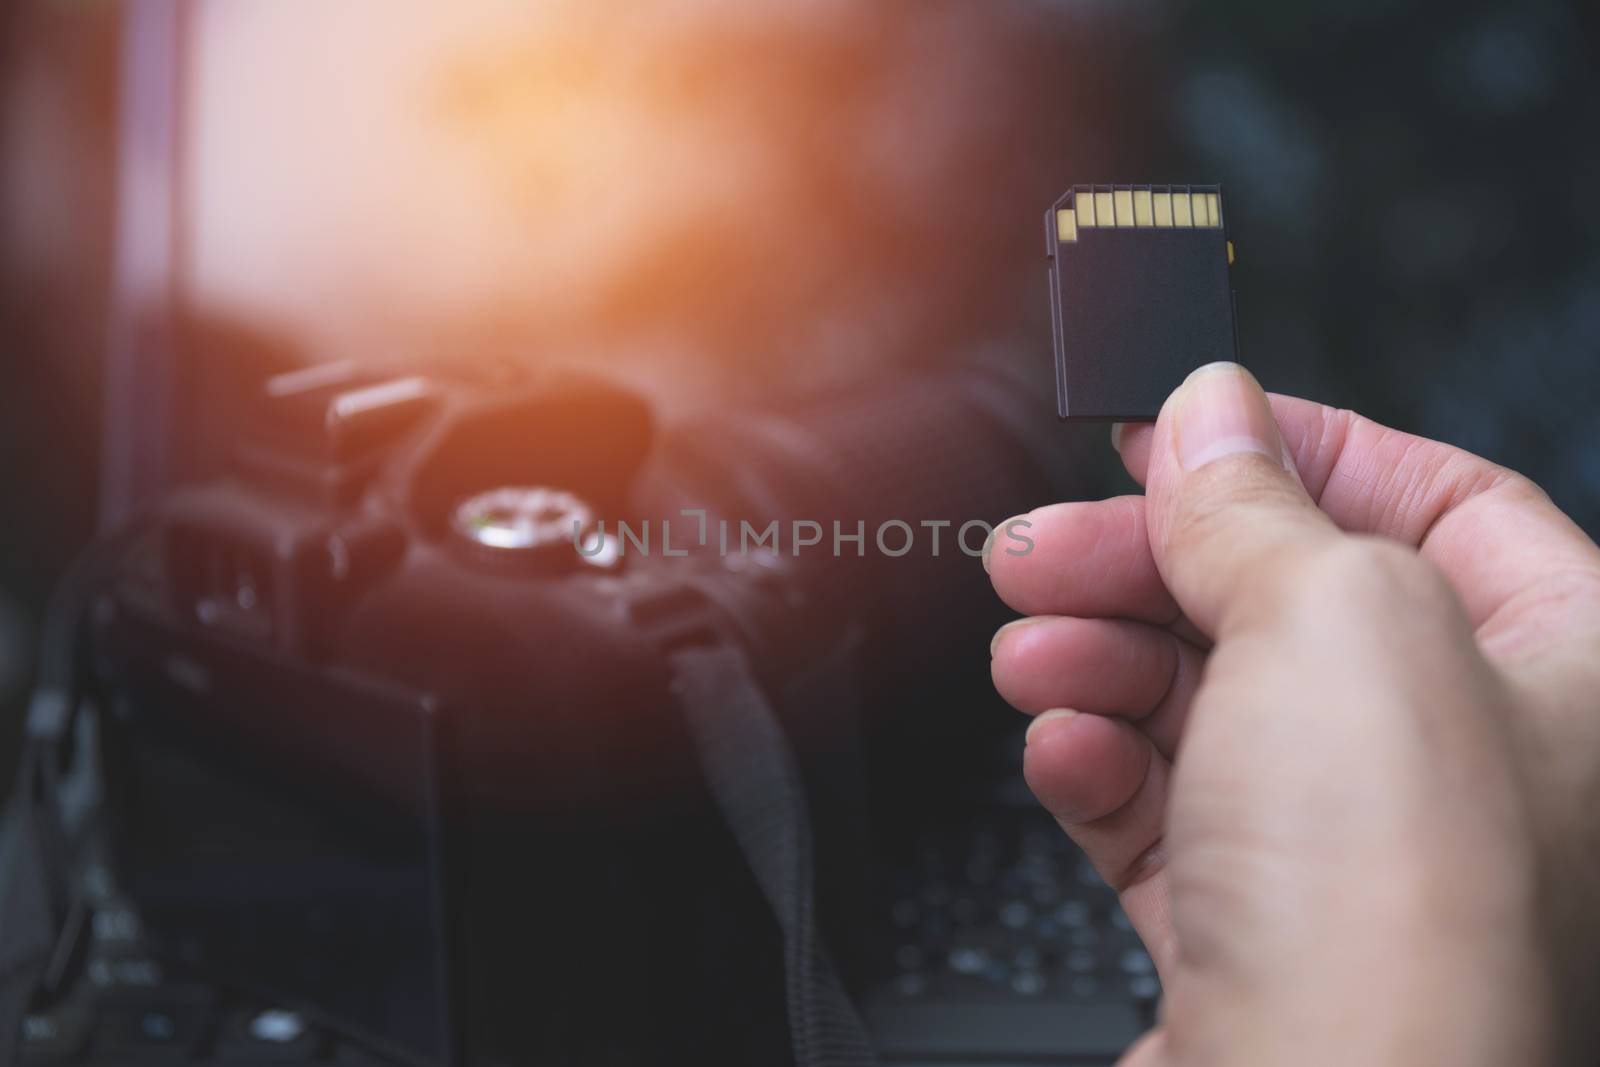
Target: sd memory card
1139,294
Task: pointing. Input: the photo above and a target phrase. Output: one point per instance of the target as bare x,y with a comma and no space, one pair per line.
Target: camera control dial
535,525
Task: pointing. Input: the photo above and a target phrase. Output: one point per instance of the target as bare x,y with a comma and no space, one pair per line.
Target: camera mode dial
531,527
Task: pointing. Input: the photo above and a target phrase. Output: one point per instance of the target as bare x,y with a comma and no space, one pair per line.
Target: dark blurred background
718,200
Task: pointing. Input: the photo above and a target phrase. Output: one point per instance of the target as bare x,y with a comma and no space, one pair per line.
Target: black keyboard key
1029,983
118,972
56,1036
1015,914
155,1032
1072,915
116,925
1144,987
267,1035
1136,961
969,960
1082,961
1085,987
911,984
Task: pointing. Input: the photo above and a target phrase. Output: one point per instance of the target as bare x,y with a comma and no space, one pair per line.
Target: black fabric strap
41,915
33,886
755,780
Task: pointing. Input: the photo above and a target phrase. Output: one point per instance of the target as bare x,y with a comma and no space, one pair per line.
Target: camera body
390,731
415,769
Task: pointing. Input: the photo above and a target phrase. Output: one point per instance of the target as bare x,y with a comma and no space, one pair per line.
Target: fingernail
994,642
1116,435
1221,411
1043,717
988,546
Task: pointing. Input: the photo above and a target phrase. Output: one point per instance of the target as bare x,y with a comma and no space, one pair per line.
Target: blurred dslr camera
402,726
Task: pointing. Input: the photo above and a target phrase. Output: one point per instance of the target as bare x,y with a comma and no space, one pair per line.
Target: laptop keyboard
1001,943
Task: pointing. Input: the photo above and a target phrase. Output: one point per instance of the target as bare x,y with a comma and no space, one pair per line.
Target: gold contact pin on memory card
1104,215
1123,200
1066,225
1142,212
1182,214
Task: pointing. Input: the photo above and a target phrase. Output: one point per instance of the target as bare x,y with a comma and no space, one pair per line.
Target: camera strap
755,780
40,918
43,915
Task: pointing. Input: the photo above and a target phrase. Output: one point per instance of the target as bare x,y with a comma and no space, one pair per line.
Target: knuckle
1222,495
1521,489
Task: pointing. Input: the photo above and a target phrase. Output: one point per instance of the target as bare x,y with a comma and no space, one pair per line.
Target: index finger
1086,559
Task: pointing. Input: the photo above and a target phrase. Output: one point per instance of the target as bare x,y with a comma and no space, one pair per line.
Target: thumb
1229,520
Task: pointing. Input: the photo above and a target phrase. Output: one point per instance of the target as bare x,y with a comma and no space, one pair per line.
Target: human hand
1335,733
